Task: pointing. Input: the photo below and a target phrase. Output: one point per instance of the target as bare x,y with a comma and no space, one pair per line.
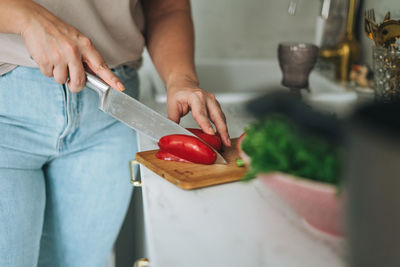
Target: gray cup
296,61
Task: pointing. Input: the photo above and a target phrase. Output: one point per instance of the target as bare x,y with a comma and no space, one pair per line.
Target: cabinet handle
142,262
134,182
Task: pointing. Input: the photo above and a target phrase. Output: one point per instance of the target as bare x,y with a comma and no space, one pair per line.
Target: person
64,186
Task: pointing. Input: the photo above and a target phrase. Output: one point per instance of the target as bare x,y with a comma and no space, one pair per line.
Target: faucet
324,8
346,52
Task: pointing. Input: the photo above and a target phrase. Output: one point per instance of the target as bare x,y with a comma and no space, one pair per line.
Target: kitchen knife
137,115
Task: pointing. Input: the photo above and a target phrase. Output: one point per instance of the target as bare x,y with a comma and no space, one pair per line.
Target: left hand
187,96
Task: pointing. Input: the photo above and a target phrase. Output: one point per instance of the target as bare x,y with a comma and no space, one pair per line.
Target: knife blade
136,115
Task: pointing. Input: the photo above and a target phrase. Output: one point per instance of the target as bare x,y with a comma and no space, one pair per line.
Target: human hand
61,51
187,96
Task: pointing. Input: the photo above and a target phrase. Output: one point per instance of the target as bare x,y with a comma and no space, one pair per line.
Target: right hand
60,50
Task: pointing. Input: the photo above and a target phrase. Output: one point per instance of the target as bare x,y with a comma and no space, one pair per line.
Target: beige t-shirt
114,27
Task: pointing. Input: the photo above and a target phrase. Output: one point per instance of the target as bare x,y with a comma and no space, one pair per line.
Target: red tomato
164,155
187,147
212,140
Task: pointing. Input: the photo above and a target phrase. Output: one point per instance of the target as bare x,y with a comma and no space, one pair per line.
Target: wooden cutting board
191,176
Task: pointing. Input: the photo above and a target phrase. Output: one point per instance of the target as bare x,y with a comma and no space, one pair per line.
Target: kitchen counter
235,224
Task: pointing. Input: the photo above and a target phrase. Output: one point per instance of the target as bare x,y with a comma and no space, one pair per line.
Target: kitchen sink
238,81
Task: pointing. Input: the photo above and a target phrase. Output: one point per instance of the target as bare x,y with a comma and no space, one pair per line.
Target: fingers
174,113
199,112
59,49
218,118
60,73
47,70
77,78
45,65
97,64
205,109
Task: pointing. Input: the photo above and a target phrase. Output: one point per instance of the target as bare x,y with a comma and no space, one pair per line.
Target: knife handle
98,85
95,83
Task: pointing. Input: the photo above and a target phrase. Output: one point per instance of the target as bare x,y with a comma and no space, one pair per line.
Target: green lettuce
275,143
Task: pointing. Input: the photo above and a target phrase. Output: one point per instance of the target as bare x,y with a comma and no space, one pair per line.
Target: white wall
250,28
253,28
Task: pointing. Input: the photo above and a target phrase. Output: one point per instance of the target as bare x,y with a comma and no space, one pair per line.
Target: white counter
236,224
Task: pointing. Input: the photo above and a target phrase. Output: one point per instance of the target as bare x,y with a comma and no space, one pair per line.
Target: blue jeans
64,175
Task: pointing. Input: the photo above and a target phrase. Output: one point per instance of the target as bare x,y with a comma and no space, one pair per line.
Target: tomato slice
164,155
212,140
187,147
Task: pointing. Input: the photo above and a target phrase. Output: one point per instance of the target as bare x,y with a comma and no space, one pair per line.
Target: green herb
276,144
239,162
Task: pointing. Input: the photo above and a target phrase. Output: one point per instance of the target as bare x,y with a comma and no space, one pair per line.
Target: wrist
32,14
182,80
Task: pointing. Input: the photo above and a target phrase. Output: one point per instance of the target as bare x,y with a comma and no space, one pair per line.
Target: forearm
14,15
170,42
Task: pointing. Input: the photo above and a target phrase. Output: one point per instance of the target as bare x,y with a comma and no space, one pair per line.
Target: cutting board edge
181,184
147,159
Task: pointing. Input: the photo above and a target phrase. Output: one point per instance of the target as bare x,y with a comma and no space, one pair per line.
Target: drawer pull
134,182
142,262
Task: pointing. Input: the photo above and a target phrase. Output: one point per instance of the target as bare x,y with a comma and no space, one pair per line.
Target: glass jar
386,64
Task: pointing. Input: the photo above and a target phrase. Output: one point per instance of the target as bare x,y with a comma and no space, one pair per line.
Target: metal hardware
136,115
346,52
292,7
134,182
385,34
142,262
326,5
370,27
99,86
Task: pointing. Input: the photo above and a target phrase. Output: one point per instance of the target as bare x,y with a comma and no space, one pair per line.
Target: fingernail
120,86
211,130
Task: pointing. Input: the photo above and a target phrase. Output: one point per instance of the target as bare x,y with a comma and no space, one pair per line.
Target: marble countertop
235,224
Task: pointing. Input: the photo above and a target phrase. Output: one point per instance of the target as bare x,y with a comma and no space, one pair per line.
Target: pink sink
320,204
